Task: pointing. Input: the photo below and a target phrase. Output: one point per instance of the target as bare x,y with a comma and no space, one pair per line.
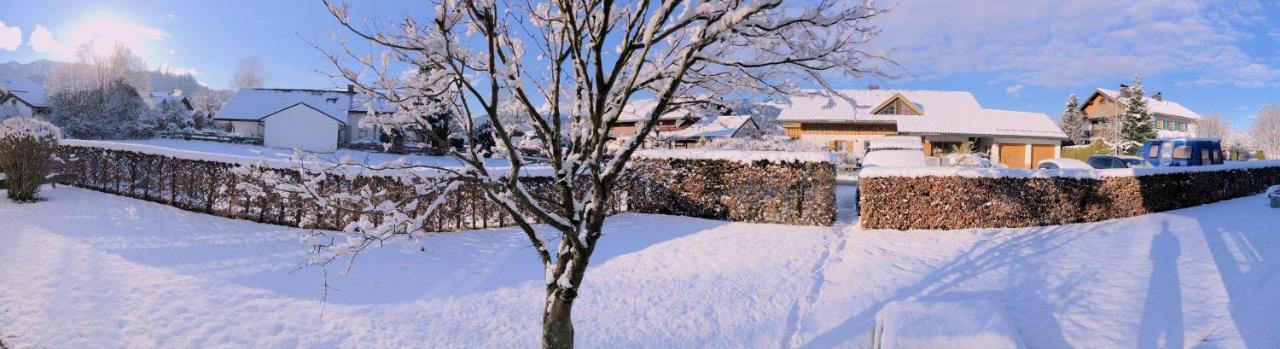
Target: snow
941,325
710,127
86,269
897,158
28,127
26,90
1067,173
1165,107
256,103
746,156
897,143
278,157
945,112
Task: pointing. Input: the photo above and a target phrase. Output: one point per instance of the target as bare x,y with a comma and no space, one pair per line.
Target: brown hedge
213,188
934,202
794,192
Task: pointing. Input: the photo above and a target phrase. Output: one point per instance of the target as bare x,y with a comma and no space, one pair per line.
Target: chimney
1159,96
351,88
1124,91
873,87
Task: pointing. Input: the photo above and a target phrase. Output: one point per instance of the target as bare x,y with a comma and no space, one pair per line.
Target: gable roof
1164,107
26,91
639,109
251,104
714,126
944,112
158,98
304,104
898,97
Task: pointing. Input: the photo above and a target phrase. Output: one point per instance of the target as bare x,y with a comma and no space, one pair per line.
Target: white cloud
1014,90
105,32
42,40
167,69
10,37
1060,43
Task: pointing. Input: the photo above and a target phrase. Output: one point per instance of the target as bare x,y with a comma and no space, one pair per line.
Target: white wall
246,128
301,127
353,129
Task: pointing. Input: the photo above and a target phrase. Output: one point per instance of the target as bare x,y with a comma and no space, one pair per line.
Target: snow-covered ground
85,269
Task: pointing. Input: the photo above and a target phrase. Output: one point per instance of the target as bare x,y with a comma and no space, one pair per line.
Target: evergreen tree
1073,121
1138,125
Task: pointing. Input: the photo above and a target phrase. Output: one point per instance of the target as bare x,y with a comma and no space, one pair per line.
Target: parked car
1117,161
896,151
1063,163
1183,152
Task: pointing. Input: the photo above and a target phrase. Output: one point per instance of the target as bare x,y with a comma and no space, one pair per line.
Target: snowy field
85,269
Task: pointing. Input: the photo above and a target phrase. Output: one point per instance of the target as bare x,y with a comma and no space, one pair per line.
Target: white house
944,121
312,120
1105,107
28,97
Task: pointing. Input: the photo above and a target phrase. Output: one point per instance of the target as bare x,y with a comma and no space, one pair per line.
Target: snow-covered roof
714,126
158,98
746,156
1164,107
639,109
27,91
256,103
945,112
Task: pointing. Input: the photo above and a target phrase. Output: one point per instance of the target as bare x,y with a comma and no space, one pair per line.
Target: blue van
1182,152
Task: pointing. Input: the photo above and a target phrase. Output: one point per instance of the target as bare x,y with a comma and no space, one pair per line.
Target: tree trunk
557,322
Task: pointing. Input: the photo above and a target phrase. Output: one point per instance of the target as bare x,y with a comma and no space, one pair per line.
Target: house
676,118
28,97
712,127
176,98
944,120
1104,108
312,120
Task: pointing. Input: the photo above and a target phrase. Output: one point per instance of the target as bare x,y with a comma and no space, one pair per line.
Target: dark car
1183,152
1117,161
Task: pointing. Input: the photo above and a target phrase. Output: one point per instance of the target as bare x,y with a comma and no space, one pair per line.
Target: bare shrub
26,145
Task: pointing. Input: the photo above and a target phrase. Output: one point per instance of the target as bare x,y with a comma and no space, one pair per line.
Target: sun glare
106,31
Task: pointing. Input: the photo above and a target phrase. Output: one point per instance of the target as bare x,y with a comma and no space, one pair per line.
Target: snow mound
736,155
971,324
23,127
894,158
1063,173
896,142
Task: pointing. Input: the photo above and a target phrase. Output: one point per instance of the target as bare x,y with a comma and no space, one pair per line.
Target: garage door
1014,155
1041,152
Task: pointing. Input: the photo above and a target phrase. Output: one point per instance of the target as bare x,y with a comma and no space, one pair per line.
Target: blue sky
1214,56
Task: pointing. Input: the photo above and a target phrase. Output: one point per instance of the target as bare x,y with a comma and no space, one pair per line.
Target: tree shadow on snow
1015,258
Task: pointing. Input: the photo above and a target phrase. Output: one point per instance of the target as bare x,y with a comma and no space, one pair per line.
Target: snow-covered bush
26,145
978,160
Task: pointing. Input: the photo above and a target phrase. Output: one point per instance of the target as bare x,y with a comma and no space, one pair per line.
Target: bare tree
93,71
250,74
1214,126
1266,130
561,72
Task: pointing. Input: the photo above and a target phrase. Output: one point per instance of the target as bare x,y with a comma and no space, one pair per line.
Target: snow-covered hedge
740,186
742,156
761,191
957,198
26,147
215,187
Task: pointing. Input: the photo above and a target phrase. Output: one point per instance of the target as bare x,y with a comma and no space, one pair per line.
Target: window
1205,157
1182,126
1182,153
891,109
1153,152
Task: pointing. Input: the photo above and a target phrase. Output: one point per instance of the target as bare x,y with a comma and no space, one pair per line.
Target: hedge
921,201
212,187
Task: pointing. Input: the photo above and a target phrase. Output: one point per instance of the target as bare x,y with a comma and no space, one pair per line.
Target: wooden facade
842,129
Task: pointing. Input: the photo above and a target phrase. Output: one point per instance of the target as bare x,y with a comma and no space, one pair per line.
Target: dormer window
898,105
